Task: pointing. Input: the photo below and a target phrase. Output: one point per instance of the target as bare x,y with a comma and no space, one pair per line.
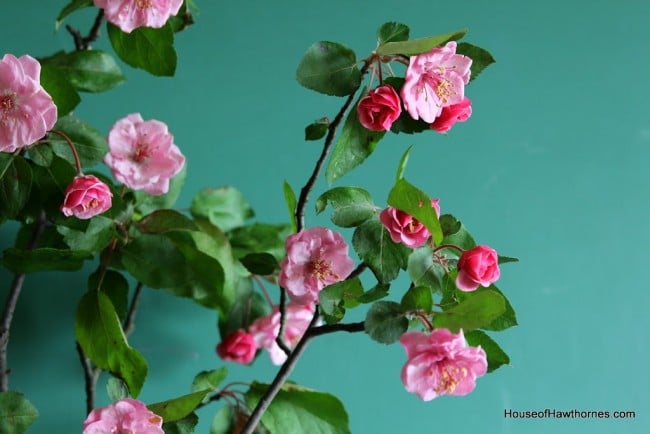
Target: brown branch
354,327
83,42
91,375
129,322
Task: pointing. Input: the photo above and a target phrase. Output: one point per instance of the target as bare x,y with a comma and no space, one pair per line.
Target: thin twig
83,42
279,339
91,375
357,271
354,327
129,322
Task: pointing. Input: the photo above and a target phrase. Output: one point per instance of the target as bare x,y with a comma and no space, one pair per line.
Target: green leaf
329,68
460,236
333,299
165,220
97,235
155,261
71,7
146,48
15,185
224,207
115,286
496,357
259,237
16,413
385,258
262,264
406,197
87,70
423,271
474,312
504,321
375,293
177,408
401,167
352,205
247,307
63,93
100,335
43,259
116,389
392,32
353,146
147,203
297,410
418,46
418,298
317,130
385,322
290,199
223,421
41,154
209,380
506,259
481,58
449,225
185,425
89,142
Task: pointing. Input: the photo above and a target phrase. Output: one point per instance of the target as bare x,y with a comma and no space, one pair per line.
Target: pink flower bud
86,197
379,108
477,266
404,228
131,14
238,347
451,114
125,416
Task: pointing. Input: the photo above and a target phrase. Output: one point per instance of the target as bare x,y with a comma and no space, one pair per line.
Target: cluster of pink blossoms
406,229
125,416
131,14
433,90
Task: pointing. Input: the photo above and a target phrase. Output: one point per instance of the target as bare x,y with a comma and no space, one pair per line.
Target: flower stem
75,154
448,246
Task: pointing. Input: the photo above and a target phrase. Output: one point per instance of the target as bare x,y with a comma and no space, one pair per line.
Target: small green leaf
262,264
506,259
317,130
329,68
296,410
423,270
89,142
392,32
385,322
71,7
474,312
177,408
418,298
223,421
460,236
44,259
385,258
481,58
333,297
165,220
449,225
353,147
15,185
406,197
63,93
290,199
375,293
146,48
418,46
496,357
504,321
401,167
352,205
87,70
116,389
225,207
209,380
185,425
259,237
16,413
97,235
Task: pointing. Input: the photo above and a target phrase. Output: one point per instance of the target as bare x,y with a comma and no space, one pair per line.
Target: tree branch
354,327
83,42
129,322
91,375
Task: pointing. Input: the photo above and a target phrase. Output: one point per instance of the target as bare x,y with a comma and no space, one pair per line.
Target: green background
550,168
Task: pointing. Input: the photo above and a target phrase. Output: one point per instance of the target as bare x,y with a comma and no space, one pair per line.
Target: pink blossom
238,347
27,111
265,329
86,197
142,154
316,257
404,228
434,80
451,114
125,416
441,363
379,108
477,266
131,14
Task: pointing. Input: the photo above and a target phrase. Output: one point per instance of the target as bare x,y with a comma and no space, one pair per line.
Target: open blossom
27,111
131,14
404,228
316,257
441,363
477,266
434,80
238,347
379,108
265,329
86,197
125,416
142,154
451,114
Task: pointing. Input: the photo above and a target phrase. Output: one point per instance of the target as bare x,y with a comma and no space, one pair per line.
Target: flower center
7,104
444,90
141,153
92,204
143,4
450,376
321,270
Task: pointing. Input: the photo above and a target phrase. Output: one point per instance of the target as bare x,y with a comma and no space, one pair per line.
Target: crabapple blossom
441,363
27,111
434,80
316,257
131,14
142,154
404,228
451,114
265,329
238,347
477,266
379,108
125,416
85,197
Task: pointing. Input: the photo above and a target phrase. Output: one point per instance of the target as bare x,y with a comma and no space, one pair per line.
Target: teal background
550,168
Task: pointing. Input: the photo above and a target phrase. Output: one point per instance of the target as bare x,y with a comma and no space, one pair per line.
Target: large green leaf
335,298
90,143
185,425
385,258
259,237
87,70
63,93
423,270
155,261
16,413
15,185
165,220
352,205
392,32
385,322
418,46
209,380
146,48
329,68
504,321
94,237
406,197
481,58
417,298
177,408
496,357
296,410
474,312
100,335
44,259
224,207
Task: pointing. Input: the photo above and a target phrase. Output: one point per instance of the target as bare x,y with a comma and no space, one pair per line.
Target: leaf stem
75,154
